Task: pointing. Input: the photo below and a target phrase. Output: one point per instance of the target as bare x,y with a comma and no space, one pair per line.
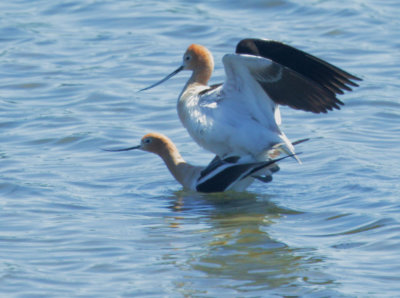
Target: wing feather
306,82
221,175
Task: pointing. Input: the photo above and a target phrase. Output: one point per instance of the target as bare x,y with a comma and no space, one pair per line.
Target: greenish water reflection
235,250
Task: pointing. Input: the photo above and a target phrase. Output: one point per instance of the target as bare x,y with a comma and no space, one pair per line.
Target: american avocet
241,116
219,175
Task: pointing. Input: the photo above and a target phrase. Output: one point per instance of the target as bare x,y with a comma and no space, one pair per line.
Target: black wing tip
328,108
266,47
327,80
353,77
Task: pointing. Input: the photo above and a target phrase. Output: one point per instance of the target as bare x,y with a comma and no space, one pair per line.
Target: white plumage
241,117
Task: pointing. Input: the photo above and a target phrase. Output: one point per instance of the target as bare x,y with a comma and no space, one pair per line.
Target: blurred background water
78,221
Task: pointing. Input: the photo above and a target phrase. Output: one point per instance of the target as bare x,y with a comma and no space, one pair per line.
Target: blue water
78,221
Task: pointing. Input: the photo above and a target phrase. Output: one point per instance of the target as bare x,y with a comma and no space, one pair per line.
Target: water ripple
78,221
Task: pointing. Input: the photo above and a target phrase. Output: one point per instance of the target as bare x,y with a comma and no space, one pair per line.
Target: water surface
78,221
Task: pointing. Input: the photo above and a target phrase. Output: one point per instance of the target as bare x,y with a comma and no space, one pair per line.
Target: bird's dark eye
187,58
147,141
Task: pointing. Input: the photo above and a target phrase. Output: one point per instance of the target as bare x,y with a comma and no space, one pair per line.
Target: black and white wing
296,78
221,175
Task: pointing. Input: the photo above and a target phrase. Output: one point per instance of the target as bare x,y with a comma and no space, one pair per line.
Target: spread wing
295,78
